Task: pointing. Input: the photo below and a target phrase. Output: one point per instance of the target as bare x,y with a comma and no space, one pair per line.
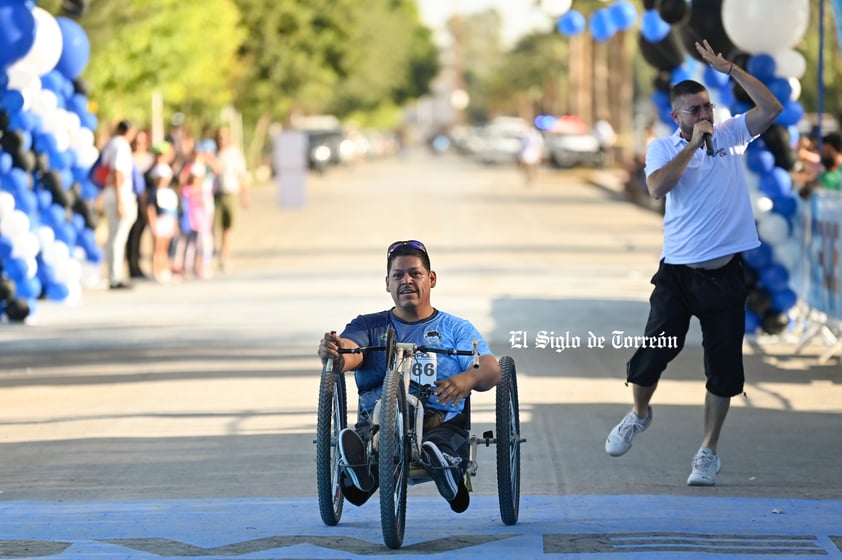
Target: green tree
186,50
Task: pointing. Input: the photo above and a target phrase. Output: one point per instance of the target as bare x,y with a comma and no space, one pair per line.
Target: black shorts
717,297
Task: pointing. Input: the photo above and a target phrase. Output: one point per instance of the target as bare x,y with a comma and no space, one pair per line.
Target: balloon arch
47,243
760,36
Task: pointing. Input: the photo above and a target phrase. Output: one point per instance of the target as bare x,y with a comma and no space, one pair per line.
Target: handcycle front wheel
393,459
508,442
332,419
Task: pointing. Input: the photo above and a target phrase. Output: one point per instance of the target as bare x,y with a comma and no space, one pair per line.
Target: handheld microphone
708,144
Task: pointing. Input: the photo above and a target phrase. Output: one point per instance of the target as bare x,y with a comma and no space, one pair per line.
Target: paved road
177,421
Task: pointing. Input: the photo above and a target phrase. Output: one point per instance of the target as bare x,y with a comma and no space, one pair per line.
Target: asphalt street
177,421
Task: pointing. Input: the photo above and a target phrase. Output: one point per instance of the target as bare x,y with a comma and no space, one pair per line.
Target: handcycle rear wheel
332,419
508,442
393,459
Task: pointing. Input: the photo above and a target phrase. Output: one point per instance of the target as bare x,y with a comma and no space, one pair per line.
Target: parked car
571,149
501,140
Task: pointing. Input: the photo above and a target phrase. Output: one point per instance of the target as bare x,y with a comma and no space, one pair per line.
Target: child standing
161,211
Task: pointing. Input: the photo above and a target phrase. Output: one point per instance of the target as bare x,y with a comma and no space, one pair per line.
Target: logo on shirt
432,337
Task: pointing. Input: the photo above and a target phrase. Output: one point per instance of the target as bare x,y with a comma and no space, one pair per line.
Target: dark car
323,148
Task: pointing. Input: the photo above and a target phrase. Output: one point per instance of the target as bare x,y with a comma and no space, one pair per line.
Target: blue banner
822,245
837,12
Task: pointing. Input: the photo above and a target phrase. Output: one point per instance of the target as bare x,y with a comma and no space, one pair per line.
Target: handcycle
396,444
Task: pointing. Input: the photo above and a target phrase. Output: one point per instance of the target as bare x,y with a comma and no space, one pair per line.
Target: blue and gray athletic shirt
440,330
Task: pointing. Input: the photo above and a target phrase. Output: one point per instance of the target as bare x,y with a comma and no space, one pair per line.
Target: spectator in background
161,211
119,201
231,193
829,176
531,153
143,160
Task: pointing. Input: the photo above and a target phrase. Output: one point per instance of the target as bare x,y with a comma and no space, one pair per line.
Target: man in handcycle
446,441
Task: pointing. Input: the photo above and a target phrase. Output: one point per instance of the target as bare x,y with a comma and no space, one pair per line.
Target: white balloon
20,75
46,50
81,138
15,224
86,156
62,140
25,245
7,206
556,8
795,84
44,103
789,64
773,229
46,236
765,26
31,267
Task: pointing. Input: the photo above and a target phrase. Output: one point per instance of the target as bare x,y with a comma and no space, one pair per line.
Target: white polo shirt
708,212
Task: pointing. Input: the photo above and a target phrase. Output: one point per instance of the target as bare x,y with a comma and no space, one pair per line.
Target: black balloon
7,288
667,54
774,322
74,8
705,22
4,121
649,4
87,212
24,160
759,301
80,85
17,309
673,11
777,141
662,81
12,141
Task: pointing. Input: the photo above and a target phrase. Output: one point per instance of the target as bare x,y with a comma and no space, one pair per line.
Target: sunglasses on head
411,244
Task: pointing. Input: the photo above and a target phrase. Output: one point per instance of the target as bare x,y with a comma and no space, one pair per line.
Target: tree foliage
186,50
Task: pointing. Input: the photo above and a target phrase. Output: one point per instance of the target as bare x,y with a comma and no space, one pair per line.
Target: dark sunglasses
411,244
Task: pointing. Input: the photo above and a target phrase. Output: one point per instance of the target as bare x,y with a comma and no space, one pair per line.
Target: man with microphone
708,222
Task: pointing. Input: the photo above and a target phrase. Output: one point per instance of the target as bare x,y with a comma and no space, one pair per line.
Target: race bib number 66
424,369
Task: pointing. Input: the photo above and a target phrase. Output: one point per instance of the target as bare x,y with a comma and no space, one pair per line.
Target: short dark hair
833,139
123,127
685,87
407,248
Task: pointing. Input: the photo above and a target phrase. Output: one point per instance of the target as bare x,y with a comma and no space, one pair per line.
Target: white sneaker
706,466
620,439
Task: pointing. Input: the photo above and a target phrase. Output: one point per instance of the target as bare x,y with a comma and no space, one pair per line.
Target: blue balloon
571,23
6,162
53,81
715,79
786,206
740,107
11,101
17,31
758,258
57,291
26,201
792,114
776,183
774,277
661,99
780,88
762,66
16,269
783,300
6,247
653,27
29,288
601,26
45,199
623,14
76,49
679,75
752,322
760,161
